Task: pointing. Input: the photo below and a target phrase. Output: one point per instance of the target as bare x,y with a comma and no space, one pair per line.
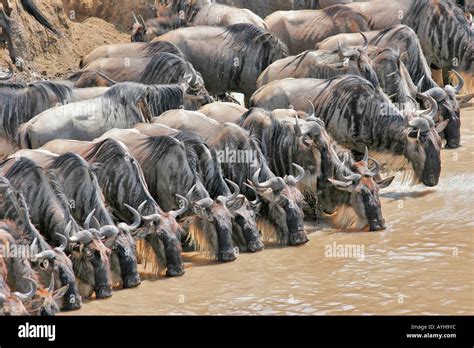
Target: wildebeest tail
30,7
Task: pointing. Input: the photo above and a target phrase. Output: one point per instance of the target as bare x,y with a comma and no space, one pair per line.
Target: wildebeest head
123,259
244,214
215,221
282,205
449,109
423,145
358,181
49,298
164,233
195,93
314,137
357,62
91,260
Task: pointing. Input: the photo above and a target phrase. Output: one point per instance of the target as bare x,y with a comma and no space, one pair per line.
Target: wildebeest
357,116
223,111
158,69
208,167
230,58
444,33
40,300
286,139
322,65
21,102
47,260
174,14
122,182
281,216
405,41
169,175
122,106
82,191
302,30
50,212
131,50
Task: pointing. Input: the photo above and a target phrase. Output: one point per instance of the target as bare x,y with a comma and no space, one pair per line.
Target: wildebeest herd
144,153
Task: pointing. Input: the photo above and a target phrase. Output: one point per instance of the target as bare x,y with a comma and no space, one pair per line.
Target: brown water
423,263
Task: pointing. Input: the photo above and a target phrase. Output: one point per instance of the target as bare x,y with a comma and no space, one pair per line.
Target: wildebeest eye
44,264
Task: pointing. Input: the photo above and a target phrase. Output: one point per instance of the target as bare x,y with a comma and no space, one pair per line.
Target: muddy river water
423,263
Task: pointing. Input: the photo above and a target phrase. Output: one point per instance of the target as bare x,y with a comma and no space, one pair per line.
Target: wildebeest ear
343,186
385,182
441,126
60,292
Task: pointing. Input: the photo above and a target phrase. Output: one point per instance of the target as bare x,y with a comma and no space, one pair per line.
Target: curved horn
376,166
9,74
110,230
257,200
236,192
84,237
31,293
297,127
144,23
420,84
366,155
68,229
183,209
51,283
135,18
341,172
365,47
136,218
34,247
64,242
312,110
341,50
46,254
421,124
460,85
434,106
301,172
88,220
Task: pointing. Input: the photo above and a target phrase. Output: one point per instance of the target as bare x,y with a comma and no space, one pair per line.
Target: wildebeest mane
105,155
20,102
355,93
416,64
156,47
251,41
165,97
332,12
209,168
165,68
